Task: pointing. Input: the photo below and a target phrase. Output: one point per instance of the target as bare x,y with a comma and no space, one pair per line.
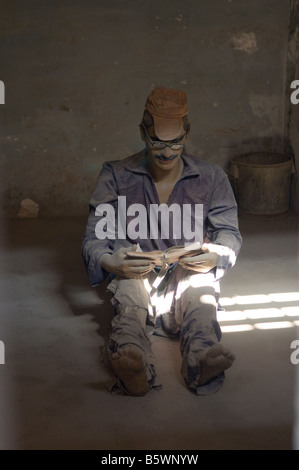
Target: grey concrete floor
53,387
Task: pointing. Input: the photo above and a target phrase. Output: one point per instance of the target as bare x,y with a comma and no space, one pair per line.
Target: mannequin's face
166,158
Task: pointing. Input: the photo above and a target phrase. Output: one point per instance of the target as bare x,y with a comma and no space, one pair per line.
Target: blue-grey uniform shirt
200,183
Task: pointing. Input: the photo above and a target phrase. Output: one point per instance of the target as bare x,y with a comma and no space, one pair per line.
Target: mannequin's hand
119,264
200,263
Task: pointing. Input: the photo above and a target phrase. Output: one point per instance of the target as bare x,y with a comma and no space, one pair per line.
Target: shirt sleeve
223,227
93,247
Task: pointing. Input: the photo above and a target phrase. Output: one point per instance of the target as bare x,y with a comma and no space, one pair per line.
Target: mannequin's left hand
204,262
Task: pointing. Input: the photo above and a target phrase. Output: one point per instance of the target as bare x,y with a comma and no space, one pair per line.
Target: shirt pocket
195,196
133,193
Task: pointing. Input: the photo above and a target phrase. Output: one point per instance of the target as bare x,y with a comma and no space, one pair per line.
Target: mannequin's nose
167,152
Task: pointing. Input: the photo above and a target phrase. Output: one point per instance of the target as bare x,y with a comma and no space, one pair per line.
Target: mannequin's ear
142,133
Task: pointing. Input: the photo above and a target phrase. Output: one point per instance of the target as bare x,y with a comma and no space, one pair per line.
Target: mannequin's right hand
119,264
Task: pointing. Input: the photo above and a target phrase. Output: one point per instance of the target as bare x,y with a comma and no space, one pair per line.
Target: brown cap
167,106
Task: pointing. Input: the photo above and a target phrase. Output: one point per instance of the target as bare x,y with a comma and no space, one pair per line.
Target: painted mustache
167,159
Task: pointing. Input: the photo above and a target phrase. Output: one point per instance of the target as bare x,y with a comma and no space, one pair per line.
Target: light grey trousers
181,304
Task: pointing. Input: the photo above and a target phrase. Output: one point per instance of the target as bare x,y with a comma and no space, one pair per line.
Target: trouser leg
200,330
193,318
130,302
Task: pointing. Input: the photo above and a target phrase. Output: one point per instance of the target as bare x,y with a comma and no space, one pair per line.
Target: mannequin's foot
215,360
129,366
208,364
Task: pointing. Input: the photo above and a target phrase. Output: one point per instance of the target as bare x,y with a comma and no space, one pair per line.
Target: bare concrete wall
77,73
